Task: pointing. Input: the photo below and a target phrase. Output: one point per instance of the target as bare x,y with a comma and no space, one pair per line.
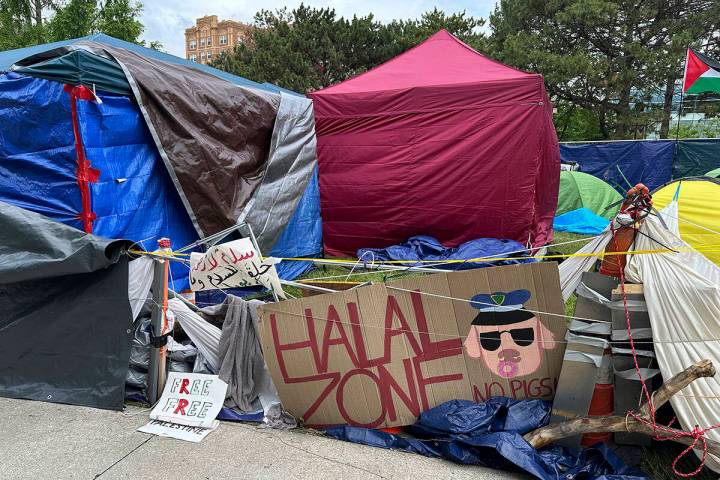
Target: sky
167,20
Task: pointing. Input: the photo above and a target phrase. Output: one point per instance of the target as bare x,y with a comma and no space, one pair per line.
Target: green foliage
78,18
310,48
18,24
31,22
598,55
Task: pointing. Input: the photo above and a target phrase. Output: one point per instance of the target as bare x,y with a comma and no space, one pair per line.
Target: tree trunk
667,107
546,435
37,10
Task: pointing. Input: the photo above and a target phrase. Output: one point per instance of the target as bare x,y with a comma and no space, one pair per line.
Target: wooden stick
577,426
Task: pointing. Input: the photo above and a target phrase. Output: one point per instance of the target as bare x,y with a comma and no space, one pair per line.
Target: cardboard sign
174,430
191,399
379,355
233,264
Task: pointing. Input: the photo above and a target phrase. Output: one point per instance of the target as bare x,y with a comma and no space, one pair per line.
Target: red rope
85,174
697,434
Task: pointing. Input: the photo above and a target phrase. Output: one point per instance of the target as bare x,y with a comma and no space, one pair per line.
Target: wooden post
158,321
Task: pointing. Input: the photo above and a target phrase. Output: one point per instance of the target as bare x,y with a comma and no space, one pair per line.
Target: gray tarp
65,324
212,135
234,153
292,161
242,364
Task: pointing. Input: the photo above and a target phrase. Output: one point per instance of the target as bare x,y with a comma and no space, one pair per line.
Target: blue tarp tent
134,196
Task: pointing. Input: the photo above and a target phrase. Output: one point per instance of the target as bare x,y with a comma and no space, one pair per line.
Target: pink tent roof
440,60
439,141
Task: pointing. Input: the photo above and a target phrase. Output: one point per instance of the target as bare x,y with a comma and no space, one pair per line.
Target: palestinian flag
702,73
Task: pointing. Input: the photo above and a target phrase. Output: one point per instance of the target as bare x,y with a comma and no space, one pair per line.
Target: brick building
210,37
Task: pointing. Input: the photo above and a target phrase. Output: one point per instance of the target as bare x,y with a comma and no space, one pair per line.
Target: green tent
713,173
578,190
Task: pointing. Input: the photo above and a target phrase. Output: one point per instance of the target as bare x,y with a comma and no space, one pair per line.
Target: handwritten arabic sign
233,264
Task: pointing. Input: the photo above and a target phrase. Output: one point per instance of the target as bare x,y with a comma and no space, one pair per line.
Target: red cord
85,174
697,434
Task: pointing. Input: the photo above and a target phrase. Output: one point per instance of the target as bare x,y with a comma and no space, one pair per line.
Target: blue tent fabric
582,221
490,434
134,197
302,236
649,162
429,249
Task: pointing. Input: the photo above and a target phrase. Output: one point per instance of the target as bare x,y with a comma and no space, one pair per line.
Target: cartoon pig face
510,350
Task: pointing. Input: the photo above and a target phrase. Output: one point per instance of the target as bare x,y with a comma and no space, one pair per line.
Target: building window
202,42
223,39
209,41
202,56
240,40
209,56
193,58
193,44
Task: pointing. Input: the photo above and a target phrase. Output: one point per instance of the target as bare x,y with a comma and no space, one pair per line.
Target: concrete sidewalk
42,440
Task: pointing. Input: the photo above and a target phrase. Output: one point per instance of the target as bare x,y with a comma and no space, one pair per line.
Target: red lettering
477,396
340,398
333,319
182,403
516,386
389,384
424,381
422,324
393,310
183,386
489,390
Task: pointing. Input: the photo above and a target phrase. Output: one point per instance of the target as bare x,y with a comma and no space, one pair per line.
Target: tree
22,22
308,48
601,55
78,18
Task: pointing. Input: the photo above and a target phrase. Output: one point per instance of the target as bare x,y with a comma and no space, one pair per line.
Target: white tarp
571,269
204,335
682,291
140,277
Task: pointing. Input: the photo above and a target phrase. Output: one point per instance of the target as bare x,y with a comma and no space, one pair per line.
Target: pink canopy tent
441,141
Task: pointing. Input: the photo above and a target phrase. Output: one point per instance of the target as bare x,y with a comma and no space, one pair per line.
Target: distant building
211,37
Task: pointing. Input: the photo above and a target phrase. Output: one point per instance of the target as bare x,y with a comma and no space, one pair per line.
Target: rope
697,434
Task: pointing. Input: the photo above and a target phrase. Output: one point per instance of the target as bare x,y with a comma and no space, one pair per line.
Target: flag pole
682,96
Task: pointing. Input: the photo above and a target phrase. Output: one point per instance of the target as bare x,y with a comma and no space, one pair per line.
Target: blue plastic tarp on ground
490,434
648,162
424,248
582,221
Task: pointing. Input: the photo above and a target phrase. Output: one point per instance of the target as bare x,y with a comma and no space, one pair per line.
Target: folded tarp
65,328
581,221
424,249
490,434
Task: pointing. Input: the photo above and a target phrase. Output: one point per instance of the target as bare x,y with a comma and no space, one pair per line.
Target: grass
656,460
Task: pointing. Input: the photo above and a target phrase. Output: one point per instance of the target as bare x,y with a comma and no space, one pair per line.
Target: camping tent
440,141
64,333
127,142
581,190
698,216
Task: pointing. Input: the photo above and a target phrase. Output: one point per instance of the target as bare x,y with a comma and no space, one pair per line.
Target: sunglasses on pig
522,337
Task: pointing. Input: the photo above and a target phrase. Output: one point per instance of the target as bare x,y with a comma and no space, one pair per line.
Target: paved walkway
42,440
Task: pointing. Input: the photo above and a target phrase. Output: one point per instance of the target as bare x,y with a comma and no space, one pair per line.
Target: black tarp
65,318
